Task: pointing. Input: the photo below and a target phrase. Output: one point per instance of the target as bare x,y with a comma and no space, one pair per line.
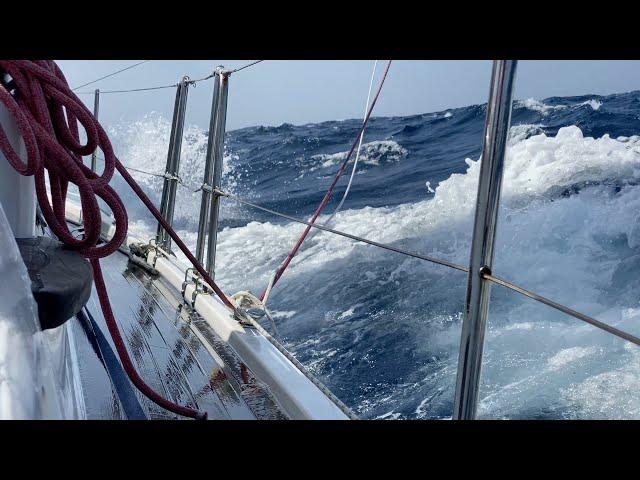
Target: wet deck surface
172,348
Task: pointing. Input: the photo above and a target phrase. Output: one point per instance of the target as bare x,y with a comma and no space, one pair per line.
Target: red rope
47,114
327,195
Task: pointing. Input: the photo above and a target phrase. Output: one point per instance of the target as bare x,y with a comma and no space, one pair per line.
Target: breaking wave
382,330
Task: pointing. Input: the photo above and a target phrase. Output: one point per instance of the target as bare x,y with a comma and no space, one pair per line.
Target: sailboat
98,324
189,350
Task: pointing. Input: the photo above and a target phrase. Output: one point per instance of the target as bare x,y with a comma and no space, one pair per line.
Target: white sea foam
544,109
538,106
568,355
517,133
610,394
551,245
594,104
372,153
429,189
143,145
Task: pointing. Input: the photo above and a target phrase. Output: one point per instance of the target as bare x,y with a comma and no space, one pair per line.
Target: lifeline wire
160,175
173,85
487,276
142,171
228,72
580,316
344,234
111,74
245,66
145,89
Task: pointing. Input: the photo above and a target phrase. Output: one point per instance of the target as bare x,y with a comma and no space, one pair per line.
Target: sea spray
383,330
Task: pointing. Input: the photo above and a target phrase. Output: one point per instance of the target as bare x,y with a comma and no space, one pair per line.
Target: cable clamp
484,271
205,187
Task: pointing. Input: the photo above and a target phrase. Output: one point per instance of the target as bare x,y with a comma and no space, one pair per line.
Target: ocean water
382,330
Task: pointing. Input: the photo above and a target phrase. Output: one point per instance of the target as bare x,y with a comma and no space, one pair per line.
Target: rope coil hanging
47,113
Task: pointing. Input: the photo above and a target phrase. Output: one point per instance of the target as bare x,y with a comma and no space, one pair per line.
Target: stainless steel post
218,152
96,109
173,163
484,230
207,182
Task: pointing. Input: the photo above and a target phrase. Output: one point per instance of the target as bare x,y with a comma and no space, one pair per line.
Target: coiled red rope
47,114
327,195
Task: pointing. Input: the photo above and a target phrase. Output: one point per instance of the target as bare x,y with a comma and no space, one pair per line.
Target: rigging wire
142,171
159,87
344,234
245,66
173,85
181,182
278,273
580,316
272,278
355,162
486,274
111,74
197,80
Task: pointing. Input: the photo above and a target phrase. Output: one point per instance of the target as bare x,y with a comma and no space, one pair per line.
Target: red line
327,195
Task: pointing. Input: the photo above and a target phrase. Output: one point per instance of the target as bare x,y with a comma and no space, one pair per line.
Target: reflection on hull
172,348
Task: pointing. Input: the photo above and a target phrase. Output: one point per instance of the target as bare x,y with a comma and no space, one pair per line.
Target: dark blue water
382,330
273,158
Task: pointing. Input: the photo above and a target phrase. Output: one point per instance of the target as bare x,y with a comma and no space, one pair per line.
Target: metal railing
480,276
168,201
208,181
210,203
494,146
